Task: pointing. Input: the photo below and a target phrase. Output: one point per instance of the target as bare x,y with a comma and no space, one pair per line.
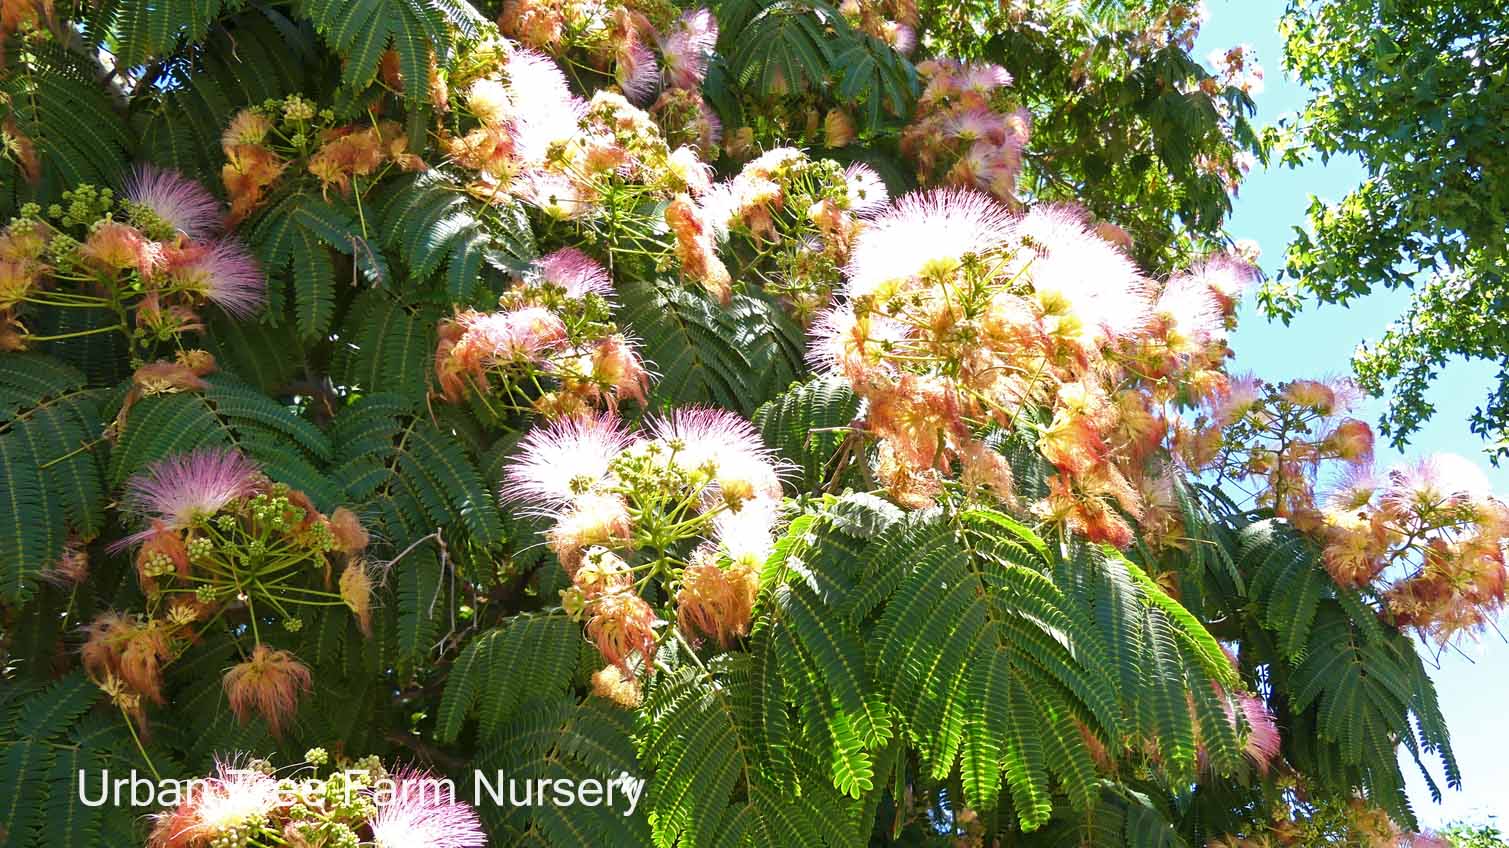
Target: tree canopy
1415,91
807,425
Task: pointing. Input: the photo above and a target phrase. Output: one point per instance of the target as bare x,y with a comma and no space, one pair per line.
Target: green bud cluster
157,564
146,219
85,204
200,547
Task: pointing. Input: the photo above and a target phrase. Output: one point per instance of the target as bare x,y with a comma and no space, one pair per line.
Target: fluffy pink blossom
687,48
518,334
236,798
1227,275
185,204
1191,311
225,274
544,109
843,344
557,195
984,77
1263,741
182,487
746,534
560,460
576,272
1242,392
1440,480
925,231
421,812
744,467
977,124
637,73
866,190
1071,265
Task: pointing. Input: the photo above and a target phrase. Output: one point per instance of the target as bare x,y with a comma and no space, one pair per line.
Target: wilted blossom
269,684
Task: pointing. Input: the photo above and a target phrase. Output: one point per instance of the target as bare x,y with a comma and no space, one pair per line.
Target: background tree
1412,91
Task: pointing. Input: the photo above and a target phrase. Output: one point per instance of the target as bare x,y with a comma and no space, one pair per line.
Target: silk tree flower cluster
646,49
356,803
262,142
552,347
151,259
1353,821
966,132
892,21
684,509
788,222
513,117
222,539
1425,537
599,171
958,318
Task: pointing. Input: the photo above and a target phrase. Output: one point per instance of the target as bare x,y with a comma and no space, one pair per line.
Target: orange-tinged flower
1310,393
619,369
838,128
594,519
249,126
356,591
694,248
350,536
113,246
714,602
249,169
268,684
621,625
611,683
1352,441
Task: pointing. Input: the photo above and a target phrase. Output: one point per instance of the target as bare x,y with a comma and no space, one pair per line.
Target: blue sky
1474,689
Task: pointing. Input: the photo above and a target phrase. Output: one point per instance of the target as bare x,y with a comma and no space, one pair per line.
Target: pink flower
1192,315
637,74
177,200
925,231
1441,480
984,78
183,487
576,272
977,124
237,797
421,811
563,459
746,535
508,336
1077,270
1242,392
544,109
687,47
866,190
844,344
743,467
225,274
1263,741
1228,276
